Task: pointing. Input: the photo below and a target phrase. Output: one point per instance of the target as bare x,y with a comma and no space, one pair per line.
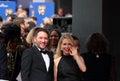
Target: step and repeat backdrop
41,10
7,7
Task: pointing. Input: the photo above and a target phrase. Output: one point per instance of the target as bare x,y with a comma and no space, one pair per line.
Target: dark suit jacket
3,62
33,66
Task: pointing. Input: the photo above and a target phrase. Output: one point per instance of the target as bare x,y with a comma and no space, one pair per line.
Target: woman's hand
74,51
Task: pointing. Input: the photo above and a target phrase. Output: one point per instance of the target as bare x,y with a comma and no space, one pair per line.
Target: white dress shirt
47,60
3,80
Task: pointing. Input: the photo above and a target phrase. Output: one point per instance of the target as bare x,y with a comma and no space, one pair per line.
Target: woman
3,59
54,38
13,48
68,64
97,59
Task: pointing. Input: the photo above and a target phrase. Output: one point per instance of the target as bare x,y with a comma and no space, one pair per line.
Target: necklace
97,56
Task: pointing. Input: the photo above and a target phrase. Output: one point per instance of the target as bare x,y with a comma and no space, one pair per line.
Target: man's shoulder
29,50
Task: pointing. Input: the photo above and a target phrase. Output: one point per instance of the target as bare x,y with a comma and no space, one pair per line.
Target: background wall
87,18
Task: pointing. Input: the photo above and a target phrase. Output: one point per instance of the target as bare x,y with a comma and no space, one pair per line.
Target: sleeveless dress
68,69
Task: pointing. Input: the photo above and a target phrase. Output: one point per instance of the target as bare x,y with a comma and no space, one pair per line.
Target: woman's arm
79,59
80,62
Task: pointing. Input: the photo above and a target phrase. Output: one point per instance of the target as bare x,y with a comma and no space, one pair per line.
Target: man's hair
40,29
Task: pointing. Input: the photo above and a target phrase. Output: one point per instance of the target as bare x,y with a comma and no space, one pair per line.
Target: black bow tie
44,51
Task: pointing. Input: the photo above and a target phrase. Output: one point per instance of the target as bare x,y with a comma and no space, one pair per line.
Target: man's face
41,39
61,12
41,9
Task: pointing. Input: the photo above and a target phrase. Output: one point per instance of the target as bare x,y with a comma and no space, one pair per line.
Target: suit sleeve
26,63
3,63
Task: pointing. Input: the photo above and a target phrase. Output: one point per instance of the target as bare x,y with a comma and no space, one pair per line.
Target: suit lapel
50,54
43,67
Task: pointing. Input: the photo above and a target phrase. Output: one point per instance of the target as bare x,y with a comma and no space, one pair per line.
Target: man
60,13
23,24
37,61
3,60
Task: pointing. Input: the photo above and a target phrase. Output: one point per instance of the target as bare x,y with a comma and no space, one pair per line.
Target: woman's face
66,46
54,38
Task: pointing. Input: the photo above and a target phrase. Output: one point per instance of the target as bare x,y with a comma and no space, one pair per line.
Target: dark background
110,27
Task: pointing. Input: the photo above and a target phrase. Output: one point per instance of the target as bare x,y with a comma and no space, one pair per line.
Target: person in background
14,48
2,37
3,59
1,21
37,61
48,24
19,10
10,17
68,64
97,59
22,24
34,19
12,32
60,13
22,12
55,35
27,30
